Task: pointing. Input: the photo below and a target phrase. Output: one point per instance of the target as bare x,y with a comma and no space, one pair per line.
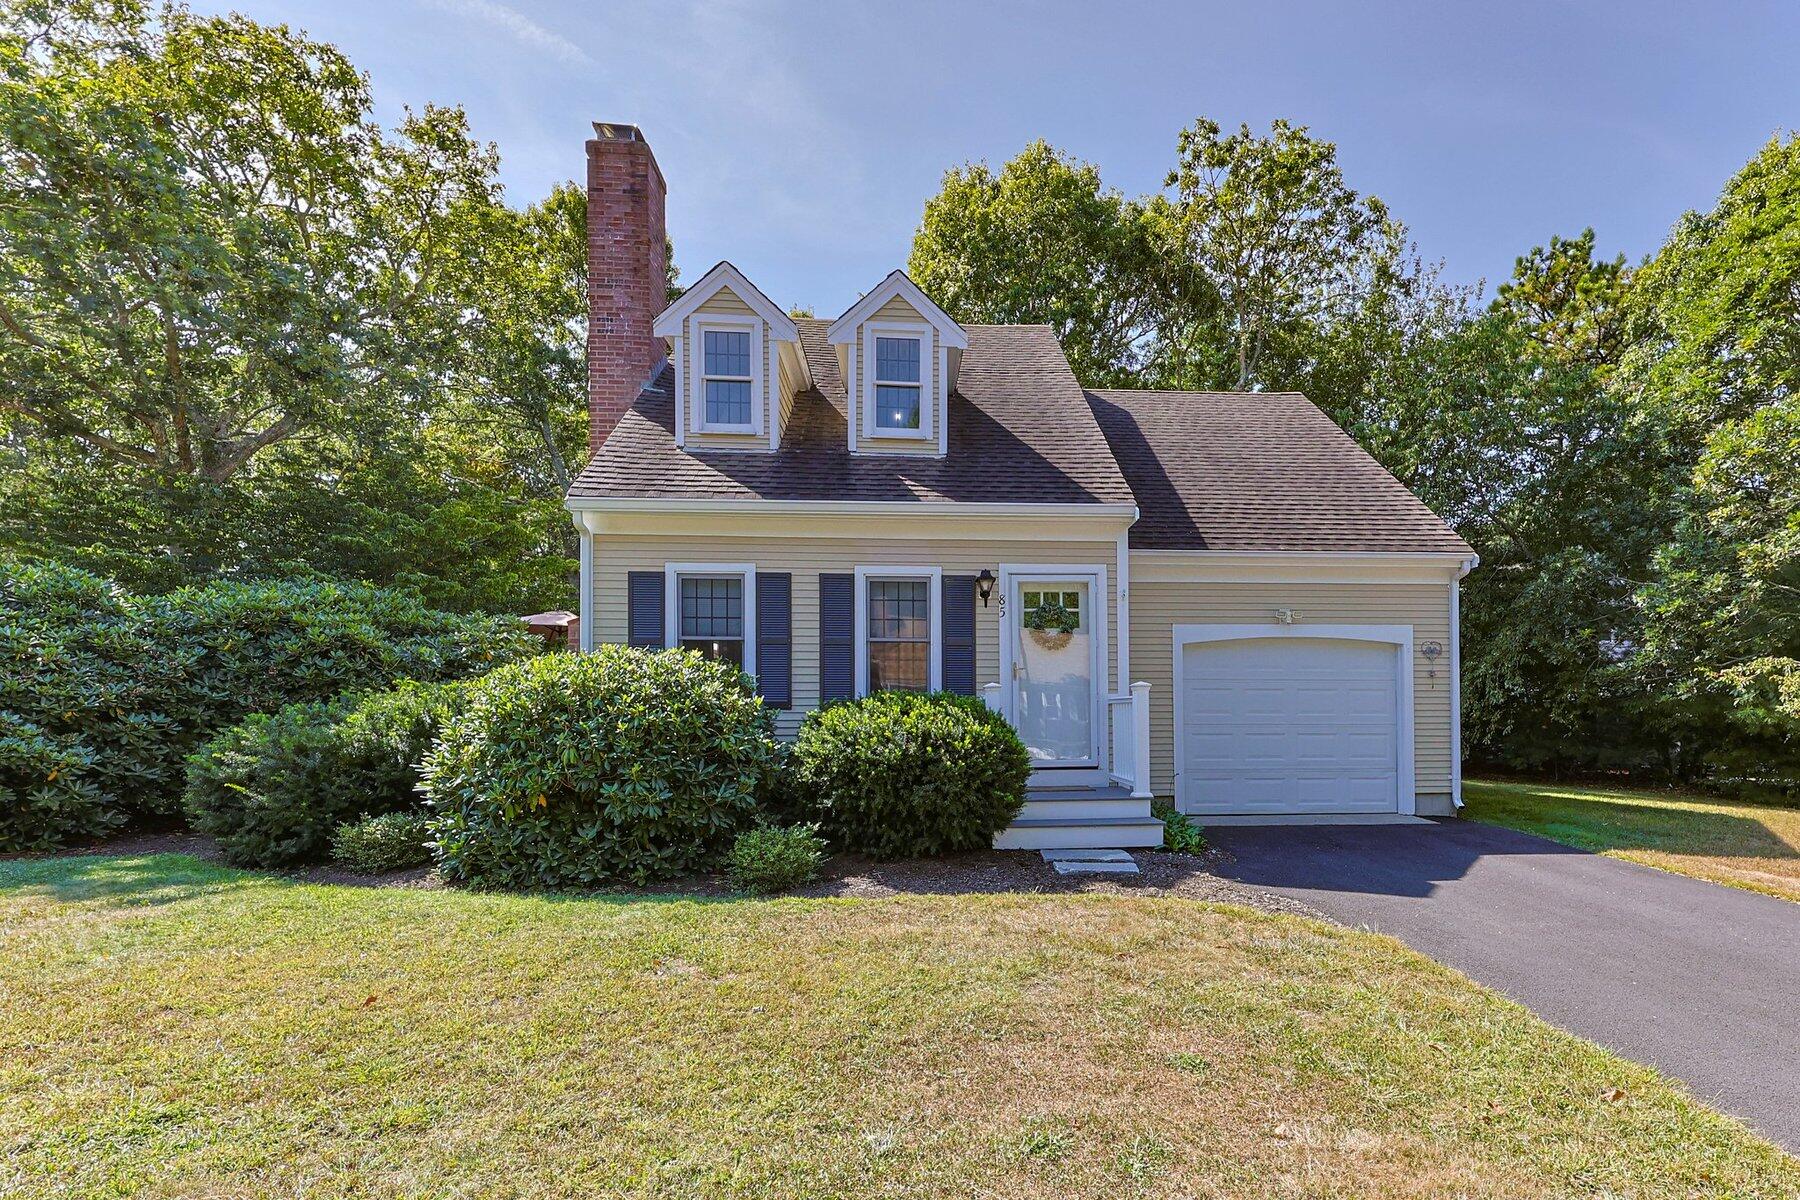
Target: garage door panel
1289,725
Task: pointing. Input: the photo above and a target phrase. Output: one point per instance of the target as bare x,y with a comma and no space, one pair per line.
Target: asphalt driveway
1700,980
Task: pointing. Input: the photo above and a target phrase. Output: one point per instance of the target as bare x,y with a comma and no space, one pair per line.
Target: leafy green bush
254,786
774,858
576,770
45,797
1179,833
138,683
273,788
388,842
898,774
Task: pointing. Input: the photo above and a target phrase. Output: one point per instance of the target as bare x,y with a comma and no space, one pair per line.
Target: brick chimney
627,272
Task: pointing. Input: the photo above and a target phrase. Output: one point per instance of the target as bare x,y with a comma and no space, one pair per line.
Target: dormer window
737,363
726,383
898,391
899,355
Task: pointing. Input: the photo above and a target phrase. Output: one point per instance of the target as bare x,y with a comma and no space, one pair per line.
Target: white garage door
1289,725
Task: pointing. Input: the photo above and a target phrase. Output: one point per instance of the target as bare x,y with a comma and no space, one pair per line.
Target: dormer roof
844,328
724,275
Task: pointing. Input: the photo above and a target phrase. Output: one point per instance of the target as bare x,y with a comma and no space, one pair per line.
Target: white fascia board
897,284
723,275
894,508
1445,556
1296,566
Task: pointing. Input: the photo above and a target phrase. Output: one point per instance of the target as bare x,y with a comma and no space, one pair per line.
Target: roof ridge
1116,391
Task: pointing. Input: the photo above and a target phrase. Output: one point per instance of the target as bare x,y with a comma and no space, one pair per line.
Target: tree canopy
248,330
1619,443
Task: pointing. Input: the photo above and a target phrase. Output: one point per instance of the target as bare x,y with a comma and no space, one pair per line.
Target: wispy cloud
522,28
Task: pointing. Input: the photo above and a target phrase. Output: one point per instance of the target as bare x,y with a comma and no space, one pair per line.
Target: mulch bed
989,872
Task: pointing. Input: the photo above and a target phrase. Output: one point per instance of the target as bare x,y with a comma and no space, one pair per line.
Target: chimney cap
615,131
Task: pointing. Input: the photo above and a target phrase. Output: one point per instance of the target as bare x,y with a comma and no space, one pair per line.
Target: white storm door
1054,632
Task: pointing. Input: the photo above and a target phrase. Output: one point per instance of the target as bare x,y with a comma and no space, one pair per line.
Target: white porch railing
1128,726
1128,735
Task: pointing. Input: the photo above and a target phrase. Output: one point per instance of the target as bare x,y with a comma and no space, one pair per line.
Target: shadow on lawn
153,878
1624,824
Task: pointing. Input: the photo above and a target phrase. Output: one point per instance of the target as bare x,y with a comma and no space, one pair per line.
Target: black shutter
644,605
958,667
775,638
837,637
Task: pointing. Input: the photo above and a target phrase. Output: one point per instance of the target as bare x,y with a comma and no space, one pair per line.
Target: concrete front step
1058,833
1091,862
1041,806
1109,792
1086,856
1095,868
1044,803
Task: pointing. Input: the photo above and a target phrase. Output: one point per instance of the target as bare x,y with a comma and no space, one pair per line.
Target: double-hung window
899,395
712,610
897,620
726,379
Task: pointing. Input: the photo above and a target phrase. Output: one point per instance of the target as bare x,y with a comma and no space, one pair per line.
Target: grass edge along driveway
173,1028
1741,843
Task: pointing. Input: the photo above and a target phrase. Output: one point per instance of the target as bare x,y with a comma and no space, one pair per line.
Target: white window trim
934,669
672,573
1398,636
928,375
697,372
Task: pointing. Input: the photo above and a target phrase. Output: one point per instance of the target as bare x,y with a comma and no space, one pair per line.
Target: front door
1055,640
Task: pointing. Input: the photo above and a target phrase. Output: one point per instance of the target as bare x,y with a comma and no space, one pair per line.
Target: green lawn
1741,843
171,1028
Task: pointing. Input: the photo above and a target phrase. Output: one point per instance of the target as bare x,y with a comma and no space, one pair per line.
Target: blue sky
801,140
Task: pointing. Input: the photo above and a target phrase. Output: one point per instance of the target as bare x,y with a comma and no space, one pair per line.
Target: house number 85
1003,607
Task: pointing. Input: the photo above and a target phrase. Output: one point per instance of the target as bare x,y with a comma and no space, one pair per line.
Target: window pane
727,403
899,608
896,407
712,608
898,666
897,360
729,650
727,353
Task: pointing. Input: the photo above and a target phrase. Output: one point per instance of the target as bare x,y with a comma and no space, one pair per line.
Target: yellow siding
1156,608
806,558
726,301
789,384
897,309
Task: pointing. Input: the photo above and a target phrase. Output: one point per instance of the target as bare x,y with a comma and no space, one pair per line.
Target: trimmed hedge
274,788
774,858
137,683
571,771
900,775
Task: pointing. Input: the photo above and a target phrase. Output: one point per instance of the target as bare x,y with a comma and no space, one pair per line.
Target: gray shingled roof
1020,432
1263,471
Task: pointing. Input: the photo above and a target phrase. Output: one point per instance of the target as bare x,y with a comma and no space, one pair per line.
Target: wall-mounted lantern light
984,585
